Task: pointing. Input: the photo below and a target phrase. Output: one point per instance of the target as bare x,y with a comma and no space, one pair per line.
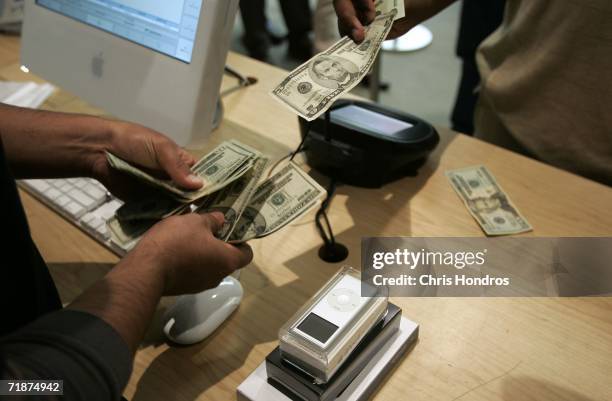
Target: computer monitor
158,63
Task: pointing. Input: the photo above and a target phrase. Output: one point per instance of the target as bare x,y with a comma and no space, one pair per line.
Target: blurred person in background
258,36
545,88
479,18
325,25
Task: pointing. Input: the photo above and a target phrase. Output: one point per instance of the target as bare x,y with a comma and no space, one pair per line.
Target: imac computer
157,63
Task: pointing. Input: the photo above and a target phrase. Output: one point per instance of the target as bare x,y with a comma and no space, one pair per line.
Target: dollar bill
155,206
385,6
311,89
233,199
218,168
487,202
277,202
127,234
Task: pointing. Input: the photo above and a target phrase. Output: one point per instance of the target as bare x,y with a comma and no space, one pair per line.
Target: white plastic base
256,388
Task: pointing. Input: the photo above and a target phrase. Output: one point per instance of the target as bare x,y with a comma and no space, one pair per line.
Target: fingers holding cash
232,173
312,88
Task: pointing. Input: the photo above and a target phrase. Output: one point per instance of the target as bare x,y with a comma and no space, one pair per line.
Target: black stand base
333,253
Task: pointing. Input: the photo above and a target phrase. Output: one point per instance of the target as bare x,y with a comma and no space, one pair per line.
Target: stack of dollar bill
311,89
231,174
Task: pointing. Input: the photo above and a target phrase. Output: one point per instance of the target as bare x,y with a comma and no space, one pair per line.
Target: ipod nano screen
317,327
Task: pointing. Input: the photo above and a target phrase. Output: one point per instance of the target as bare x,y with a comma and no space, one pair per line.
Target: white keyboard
82,201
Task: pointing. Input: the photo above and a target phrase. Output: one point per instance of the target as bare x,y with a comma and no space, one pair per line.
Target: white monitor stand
158,63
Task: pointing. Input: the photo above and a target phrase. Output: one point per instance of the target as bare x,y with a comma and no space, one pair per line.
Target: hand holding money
185,250
354,15
312,88
232,174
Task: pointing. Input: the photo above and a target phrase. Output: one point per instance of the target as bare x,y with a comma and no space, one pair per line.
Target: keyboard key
74,209
94,192
62,200
82,198
39,185
87,217
94,223
52,193
65,187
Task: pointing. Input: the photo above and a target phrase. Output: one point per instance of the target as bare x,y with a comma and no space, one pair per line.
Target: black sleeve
81,349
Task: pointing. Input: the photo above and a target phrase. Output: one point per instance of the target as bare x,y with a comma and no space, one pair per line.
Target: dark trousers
297,14
479,18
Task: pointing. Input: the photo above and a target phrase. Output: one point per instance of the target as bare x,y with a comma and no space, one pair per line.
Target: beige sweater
547,75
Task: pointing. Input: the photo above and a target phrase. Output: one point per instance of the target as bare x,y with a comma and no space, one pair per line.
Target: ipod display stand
323,332
368,371
337,346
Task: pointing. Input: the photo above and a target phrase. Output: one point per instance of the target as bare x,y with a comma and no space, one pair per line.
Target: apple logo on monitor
97,65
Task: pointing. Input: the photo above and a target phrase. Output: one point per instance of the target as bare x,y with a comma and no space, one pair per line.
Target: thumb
213,221
172,161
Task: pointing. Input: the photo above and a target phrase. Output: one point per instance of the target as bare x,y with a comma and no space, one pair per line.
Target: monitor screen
168,27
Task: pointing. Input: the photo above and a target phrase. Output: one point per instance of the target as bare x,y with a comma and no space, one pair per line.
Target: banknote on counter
312,88
487,202
227,162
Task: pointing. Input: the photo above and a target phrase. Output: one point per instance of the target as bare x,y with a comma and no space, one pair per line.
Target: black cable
299,148
279,161
322,214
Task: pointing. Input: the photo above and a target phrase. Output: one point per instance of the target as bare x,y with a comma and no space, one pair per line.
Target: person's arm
90,344
41,144
177,256
353,15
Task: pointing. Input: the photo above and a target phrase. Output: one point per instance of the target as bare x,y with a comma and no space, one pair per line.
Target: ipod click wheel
324,332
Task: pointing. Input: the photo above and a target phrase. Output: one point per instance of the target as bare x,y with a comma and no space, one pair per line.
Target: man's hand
191,258
353,15
43,144
177,256
146,148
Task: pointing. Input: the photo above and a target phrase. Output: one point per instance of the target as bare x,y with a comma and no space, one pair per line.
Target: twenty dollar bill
487,202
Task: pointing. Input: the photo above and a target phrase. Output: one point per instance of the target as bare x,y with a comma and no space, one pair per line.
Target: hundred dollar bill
218,168
233,199
311,89
487,202
385,6
277,202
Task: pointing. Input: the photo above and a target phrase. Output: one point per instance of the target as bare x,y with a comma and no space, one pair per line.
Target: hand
146,148
189,256
353,15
